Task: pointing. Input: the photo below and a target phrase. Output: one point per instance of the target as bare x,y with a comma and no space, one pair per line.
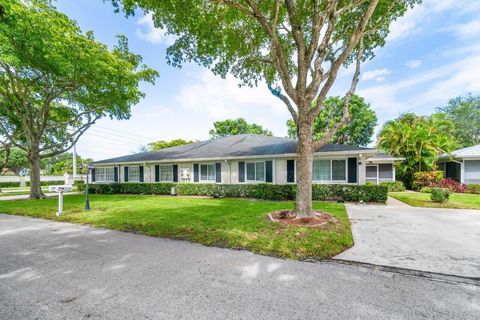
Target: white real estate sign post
60,190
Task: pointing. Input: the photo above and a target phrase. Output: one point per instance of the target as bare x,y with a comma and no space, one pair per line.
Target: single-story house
247,159
462,165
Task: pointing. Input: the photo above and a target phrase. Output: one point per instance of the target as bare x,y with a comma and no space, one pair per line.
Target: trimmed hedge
80,185
338,192
48,183
11,184
394,186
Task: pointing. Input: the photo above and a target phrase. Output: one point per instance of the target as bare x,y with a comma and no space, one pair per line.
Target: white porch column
462,171
361,170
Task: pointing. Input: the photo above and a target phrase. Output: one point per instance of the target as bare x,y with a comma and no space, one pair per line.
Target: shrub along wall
49,183
12,184
263,191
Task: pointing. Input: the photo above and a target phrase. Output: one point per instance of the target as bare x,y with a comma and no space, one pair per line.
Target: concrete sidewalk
51,270
427,239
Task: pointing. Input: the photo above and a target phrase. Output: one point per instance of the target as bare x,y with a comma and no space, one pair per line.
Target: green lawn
457,200
233,223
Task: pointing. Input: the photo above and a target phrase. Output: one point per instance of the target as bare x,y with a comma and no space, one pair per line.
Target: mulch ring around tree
320,219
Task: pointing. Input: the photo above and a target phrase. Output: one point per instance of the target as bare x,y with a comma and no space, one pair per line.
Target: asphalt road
428,239
51,270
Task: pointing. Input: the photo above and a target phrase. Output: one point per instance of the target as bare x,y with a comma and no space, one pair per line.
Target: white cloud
469,29
413,64
413,20
423,91
211,98
377,75
148,32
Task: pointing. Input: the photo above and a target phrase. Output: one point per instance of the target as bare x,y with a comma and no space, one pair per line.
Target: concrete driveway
436,240
51,270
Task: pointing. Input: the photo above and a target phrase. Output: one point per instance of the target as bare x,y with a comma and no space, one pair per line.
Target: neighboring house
462,165
247,159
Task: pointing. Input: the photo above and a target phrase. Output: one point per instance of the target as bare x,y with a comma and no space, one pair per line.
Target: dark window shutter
352,170
196,178
157,173
175,173
93,175
241,171
140,169
290,170
218,172
125,172
115,174
268,171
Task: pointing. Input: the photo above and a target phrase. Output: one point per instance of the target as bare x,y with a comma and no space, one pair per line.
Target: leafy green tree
233,127
465,114
63,163
55,81
419,140
16,159
298,45
358,131
162,144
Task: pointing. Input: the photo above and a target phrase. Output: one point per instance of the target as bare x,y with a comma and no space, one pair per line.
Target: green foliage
8,184
228,38
162,144
419,140
57,81
17,159
440,195
473,188
59,164
426,190
355,193
260,191
358,131
427,179
232,127
79,185
465,114
48,183
394,186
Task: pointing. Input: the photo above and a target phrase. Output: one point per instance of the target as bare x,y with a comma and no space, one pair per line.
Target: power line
115,135
115,142
127,133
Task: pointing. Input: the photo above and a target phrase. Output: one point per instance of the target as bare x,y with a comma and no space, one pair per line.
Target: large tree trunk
303,204
35,186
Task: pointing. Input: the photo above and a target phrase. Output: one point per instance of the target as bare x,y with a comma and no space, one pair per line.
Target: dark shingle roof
228,147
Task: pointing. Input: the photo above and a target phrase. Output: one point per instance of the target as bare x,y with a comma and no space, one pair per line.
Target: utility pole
74,161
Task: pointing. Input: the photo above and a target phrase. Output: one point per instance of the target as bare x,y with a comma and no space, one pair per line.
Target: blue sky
431,55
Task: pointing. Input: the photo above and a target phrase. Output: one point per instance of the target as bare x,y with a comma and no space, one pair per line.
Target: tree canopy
13,159
418,139
55,81
299,46
232,127
162,144
465,114
358,131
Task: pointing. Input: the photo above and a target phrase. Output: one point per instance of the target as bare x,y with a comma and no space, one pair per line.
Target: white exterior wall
230,173
471,171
